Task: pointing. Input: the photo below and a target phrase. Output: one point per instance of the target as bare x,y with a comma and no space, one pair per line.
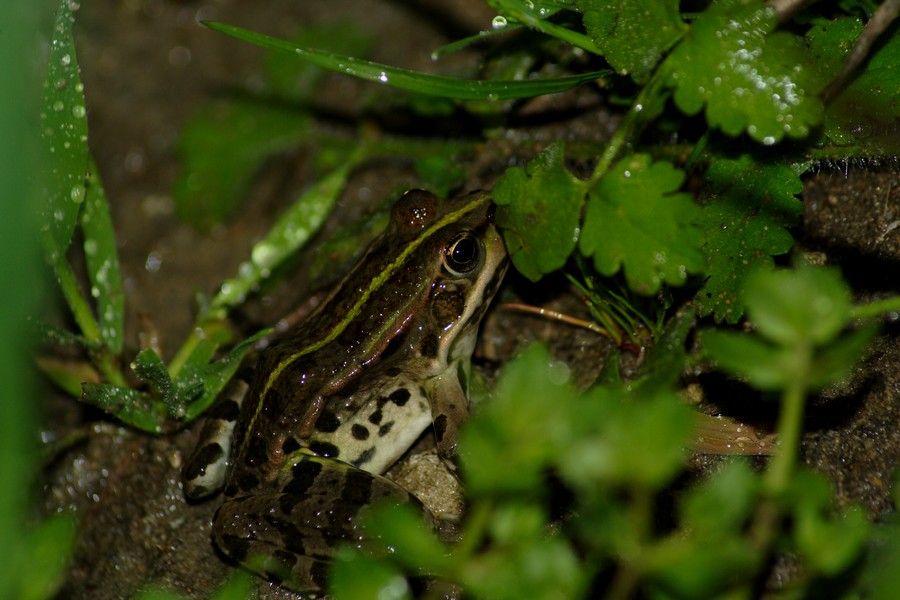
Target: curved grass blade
103,261
413,81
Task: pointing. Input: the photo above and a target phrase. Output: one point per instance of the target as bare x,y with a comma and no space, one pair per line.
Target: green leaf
214,376
402,528
46,555
744,222
222,147
831,545
128,405
64,137
412,81
631,440
806,305
301,81
292,230
722,503
749,79
632,36
636,221
506,448
765,366
832,363
865,112
538,208
103,262
357,576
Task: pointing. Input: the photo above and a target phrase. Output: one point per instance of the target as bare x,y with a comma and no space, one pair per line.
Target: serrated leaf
103,262
221,148
636,220
744,225
64,137
632,36
867,109
749,79
538,208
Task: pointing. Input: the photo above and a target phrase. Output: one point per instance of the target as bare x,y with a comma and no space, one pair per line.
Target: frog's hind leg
290,534
204,472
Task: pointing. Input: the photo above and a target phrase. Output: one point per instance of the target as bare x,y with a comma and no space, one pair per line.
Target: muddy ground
148,65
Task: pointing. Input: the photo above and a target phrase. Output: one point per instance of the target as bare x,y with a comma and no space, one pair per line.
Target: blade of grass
103,262
413,81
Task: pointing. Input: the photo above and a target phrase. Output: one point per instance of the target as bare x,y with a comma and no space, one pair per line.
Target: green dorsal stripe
355,310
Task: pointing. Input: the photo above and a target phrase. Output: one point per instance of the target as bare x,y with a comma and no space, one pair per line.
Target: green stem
512,11
640,110
875,309
76,301
104,361
628,575
790,425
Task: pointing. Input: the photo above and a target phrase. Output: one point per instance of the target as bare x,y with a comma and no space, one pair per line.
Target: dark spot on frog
327,422
244,481
227,410
325,449
357,490
303,474
238,547
375,417
440,427
318,572
429,346
364,457
400,397
393,371
384,429
209,454
359,432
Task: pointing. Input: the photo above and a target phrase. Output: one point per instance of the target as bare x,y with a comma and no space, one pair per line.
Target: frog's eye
463,255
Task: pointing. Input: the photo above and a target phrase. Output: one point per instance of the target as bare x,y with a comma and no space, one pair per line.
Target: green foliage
749,77
539,209
744,221
610,455
564,486
632,36
636,219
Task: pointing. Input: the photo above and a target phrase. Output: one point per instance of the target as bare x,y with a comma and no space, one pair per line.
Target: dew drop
65,60
90,247
499,22
58,105
78,111
768,140
383,78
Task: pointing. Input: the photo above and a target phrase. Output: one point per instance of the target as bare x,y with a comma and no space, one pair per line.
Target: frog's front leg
290,534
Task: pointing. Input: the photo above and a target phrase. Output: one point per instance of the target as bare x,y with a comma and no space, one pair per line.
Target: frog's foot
290,534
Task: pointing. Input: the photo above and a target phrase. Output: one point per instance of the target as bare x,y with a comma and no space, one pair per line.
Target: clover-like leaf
632,35
749,79
744,223
635,219
538,208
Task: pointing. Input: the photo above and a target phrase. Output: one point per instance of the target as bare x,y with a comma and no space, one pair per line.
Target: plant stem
105,362
876,308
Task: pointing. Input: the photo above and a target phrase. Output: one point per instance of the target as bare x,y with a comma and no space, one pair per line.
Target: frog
336,401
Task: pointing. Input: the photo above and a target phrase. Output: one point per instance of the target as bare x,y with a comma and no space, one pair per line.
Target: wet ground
147,66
